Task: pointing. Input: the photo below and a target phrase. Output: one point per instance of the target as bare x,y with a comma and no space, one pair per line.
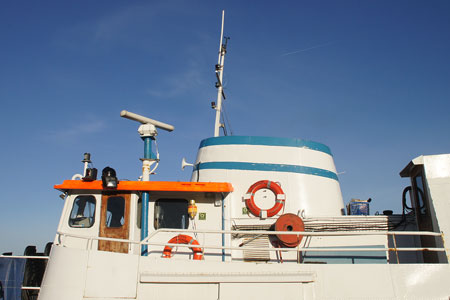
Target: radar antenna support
147,131
219,75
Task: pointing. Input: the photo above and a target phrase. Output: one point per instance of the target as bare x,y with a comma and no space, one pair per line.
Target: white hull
103,275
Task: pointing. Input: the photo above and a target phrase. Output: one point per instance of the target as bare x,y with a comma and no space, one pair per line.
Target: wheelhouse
97,218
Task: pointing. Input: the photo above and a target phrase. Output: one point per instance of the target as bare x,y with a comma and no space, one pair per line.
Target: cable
225,117
194,226
157,158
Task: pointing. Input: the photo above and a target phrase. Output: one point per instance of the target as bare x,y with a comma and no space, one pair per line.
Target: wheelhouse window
171,213
139,212
83,212
115,212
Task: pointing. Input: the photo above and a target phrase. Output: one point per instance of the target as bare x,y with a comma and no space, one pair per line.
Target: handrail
304,233
25,256
260,232
330,249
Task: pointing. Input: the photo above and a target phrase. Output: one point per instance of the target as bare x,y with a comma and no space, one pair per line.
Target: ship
261,218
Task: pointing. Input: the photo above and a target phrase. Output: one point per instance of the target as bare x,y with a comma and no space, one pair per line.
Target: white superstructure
235,255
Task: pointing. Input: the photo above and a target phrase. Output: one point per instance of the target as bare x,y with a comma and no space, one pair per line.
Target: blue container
358,208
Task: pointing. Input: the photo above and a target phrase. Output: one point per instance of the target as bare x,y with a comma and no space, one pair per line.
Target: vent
256,242
264,227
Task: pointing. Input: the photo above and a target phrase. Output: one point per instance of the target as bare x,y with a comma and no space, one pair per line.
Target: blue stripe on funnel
225,165
264,141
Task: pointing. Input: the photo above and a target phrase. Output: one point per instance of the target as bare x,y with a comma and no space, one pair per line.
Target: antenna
147,131
145,120
219,75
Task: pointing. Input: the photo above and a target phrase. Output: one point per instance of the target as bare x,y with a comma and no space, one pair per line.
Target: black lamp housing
109,178
91,174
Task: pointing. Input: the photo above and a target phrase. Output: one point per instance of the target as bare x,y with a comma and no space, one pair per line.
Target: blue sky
370,79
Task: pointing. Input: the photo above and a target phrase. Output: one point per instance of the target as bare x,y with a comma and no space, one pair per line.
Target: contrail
307,49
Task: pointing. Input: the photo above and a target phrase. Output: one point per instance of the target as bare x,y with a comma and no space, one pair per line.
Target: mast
219,75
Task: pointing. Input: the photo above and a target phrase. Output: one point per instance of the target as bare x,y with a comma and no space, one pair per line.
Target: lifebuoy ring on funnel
265,184
183,239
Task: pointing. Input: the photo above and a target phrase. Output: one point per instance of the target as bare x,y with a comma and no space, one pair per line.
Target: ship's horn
185,164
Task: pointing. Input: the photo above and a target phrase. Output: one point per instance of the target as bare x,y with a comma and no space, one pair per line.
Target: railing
26,257
148,241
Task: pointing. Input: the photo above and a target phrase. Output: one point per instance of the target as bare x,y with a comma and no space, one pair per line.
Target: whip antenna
219,74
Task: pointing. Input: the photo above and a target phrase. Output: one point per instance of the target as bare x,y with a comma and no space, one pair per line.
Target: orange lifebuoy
183,239
265,184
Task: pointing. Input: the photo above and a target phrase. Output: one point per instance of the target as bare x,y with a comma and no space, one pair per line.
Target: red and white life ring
265,184
183,239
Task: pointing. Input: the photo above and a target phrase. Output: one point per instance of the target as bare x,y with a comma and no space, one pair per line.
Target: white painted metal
65,275
77,176
81,235
437,179
185,164
118,275
314,195
86,165
267,154
77,270
146,165
145,120
24,256
220,62
147,130
209,279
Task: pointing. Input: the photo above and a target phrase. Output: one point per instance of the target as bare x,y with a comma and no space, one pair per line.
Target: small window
139,212
171,213
83,212
115,212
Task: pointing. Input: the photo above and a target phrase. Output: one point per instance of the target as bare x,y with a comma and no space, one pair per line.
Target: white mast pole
220,63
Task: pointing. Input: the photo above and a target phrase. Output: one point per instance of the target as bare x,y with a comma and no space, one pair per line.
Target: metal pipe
260,248
304,233
77,176
223,226
305,249
395,247
144,222
220,62
206,231
147,148
221,35
24,256
145,195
